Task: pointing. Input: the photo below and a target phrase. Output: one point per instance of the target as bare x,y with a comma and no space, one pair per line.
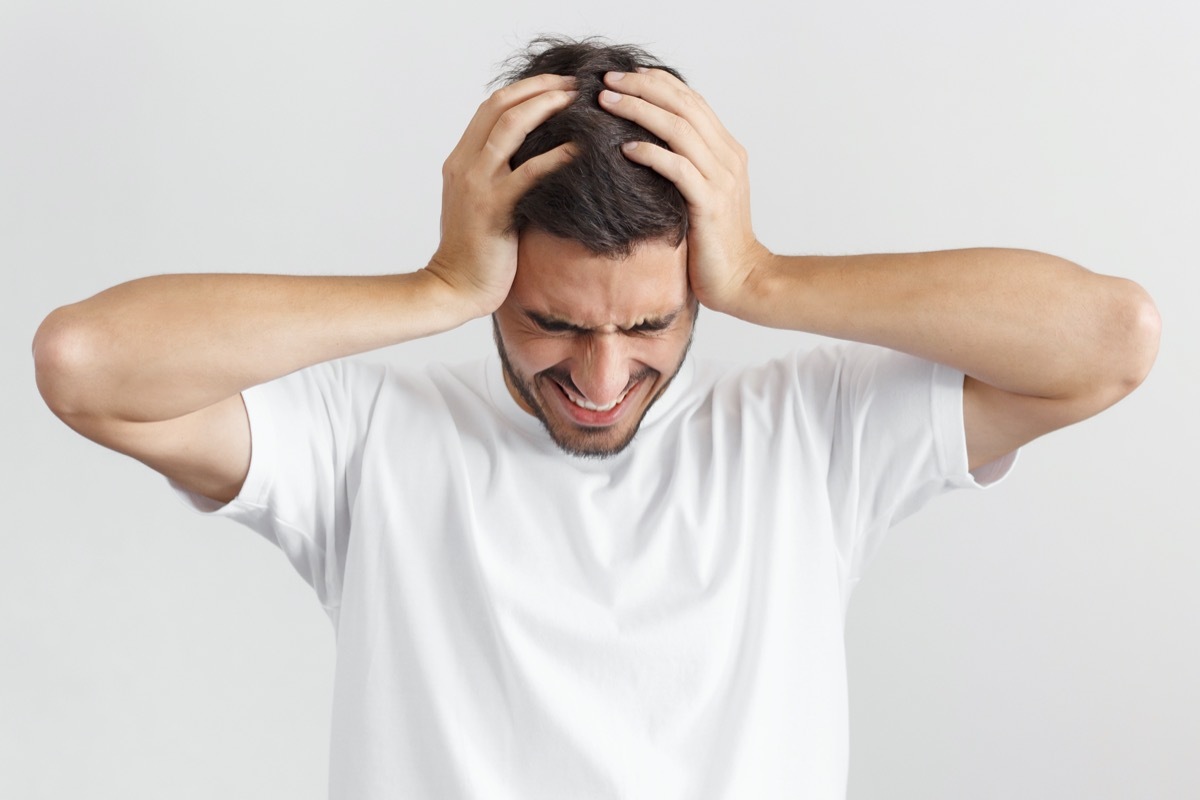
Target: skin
1043,342
602,331
153,368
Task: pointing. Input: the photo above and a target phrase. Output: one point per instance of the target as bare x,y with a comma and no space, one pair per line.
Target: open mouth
583,402
585,412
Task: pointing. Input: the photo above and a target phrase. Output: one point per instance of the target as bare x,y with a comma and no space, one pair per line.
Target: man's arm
1044,343
154,368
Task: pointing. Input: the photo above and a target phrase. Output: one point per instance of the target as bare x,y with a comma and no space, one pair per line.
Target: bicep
206,452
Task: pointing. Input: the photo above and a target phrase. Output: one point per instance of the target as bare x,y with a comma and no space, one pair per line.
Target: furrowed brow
653,324
553,324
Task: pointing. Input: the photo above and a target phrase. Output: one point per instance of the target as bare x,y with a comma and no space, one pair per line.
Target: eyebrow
553,324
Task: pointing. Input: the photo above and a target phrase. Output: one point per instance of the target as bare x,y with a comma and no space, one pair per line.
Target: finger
665,91
501,100
672,166
676,131
526,176
516,123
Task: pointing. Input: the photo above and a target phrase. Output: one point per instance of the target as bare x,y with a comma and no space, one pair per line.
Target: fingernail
629,146
615,76
610,97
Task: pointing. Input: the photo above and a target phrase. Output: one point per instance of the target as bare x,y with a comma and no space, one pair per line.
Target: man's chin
596,443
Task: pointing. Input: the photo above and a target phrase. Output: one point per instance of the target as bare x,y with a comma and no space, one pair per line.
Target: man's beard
579,440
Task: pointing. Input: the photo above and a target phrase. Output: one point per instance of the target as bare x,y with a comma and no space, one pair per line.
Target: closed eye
652,326
551,325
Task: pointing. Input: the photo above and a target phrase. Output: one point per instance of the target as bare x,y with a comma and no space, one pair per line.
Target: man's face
588,343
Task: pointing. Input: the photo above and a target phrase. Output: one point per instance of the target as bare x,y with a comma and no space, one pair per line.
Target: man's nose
601,371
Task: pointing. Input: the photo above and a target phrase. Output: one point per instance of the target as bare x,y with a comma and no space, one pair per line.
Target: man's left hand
709,167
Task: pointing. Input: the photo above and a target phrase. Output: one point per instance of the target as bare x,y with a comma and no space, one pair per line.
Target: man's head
600,314
600,199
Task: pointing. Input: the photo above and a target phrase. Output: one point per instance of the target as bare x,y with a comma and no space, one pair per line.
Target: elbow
1145,333
62,359
1138,328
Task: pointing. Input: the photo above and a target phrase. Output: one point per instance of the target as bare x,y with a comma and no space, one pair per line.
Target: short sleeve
897,441
307,431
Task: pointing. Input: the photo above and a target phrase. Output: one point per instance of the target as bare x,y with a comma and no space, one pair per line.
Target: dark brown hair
600,199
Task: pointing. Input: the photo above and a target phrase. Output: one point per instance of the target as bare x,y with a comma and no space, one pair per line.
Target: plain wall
1038,640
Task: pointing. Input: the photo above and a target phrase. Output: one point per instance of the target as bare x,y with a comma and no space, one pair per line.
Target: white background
1035,641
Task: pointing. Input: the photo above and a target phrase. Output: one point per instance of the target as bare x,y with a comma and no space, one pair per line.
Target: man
590,567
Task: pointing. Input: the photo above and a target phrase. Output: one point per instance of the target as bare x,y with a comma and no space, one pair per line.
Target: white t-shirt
515,622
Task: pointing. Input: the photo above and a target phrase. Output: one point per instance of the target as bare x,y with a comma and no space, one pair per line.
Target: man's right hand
477,256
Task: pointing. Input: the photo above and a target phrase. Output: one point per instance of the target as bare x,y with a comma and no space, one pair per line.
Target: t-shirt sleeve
897,441
307,430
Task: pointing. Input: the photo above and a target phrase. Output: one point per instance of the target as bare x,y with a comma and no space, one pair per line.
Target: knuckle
532,171
500,96
681,128
506,121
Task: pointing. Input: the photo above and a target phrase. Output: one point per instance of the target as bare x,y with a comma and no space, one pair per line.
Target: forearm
1018,320
161,347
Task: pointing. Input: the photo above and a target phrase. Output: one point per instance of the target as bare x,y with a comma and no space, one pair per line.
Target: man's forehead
563,280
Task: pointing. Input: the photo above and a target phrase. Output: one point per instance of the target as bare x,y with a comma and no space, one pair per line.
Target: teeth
582,403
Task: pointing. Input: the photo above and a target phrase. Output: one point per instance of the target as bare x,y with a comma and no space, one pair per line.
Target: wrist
749,294
458,298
